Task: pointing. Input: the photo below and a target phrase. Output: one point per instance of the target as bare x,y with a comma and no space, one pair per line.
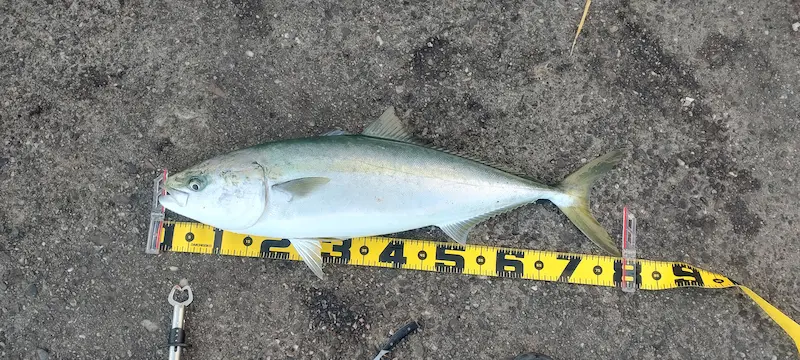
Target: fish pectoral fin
310,250
301,187
459,230
389,126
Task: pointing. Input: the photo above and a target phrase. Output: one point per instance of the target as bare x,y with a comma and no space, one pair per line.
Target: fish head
225,192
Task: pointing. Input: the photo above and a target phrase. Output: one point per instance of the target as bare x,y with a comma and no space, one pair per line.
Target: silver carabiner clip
177,336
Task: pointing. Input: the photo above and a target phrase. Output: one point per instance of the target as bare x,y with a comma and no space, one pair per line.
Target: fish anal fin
298,188
310,251
459,230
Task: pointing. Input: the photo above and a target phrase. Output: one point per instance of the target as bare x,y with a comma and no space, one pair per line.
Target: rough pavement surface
96,96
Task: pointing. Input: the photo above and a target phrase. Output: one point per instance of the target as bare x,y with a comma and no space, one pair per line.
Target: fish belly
352,206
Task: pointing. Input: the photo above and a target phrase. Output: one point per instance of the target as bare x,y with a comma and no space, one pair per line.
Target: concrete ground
96,96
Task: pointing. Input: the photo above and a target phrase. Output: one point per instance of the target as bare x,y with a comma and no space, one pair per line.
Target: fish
381,181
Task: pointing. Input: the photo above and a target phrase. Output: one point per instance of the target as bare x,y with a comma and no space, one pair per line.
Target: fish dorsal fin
337,132
476,159
459,230
298,188
389,126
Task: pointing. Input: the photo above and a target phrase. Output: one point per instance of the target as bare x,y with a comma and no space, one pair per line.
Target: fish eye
195,184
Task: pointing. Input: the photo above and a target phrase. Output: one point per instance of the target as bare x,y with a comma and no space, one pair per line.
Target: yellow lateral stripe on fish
449,257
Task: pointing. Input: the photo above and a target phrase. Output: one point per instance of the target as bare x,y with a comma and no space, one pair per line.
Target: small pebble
32,290
681,163
379,40
149,325
42,354
613,29
173,268
3,286
184,283
249,53
796,26
73,303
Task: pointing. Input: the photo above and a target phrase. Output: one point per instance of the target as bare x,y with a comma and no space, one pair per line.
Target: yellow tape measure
424,255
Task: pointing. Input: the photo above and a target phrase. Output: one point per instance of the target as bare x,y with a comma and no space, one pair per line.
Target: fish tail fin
576,204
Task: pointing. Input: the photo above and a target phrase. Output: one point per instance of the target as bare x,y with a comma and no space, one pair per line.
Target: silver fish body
379,182
379,186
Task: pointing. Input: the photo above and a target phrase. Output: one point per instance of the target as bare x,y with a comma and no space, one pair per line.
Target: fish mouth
174,198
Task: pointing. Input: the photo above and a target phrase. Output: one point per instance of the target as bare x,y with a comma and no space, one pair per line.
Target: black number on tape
683,270
571,266
503,263
343,249
268,245
169,234
457,259
393,254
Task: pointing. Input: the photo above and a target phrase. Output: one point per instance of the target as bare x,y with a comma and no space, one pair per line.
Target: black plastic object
400,334
177,338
